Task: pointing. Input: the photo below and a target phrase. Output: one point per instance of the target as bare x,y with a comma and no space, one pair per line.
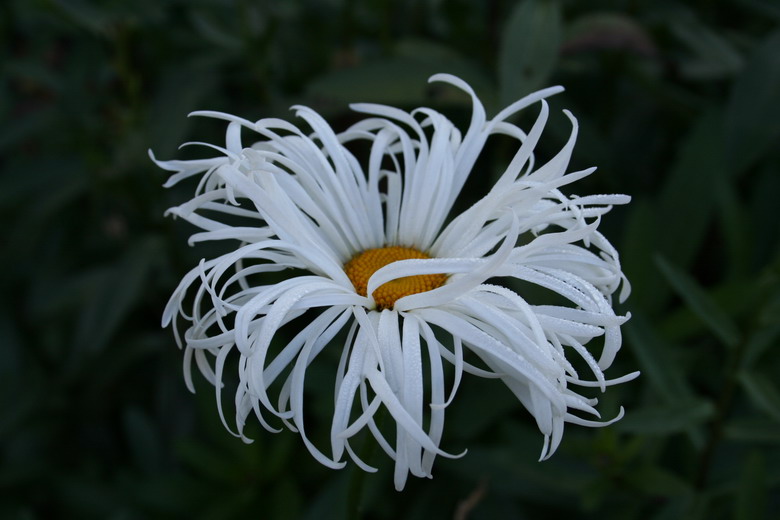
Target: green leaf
711,55
35,223
667,419
210,29
754,107
513,476
116,297
736,298
529,48
700,302
762,392
735,228
751,495
753,430
87,15
103,18
401,79
758,343
638,247
168,121
658,481
673,509
51,293
658,365
686,204
770,313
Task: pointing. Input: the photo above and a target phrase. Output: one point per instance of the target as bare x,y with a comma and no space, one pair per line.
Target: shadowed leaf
754,107
529,48
762,392
656,361
700,302
667,419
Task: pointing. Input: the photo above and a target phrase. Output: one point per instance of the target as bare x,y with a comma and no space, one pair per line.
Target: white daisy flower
379,269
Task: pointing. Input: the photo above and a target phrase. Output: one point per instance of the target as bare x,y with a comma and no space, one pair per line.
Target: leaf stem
721,411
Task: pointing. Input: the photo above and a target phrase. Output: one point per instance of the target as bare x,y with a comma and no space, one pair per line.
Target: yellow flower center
365,264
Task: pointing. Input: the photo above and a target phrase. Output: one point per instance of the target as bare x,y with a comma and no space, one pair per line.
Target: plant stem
721,411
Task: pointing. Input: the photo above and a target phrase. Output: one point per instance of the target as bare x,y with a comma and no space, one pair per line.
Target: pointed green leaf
770,313
753,430
661,368
208,27
735,298
87,15
735,228
529,48
758,343
658,481
762,392
673,509
639,245
658,365
168,121
688,196
116,297
754,107
711,56
401,79
700,302
36,222
666,419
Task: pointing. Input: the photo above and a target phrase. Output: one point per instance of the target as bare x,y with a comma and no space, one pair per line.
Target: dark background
679,106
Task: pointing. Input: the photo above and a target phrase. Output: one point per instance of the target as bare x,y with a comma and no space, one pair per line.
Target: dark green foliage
679,104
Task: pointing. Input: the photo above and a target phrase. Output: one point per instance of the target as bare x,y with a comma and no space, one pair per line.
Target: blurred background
679,106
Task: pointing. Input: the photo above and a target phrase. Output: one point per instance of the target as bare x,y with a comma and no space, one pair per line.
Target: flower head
379,269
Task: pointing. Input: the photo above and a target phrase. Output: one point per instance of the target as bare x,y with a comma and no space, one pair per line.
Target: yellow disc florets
363,265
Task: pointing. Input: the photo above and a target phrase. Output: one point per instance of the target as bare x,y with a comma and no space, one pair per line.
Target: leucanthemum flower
380,271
